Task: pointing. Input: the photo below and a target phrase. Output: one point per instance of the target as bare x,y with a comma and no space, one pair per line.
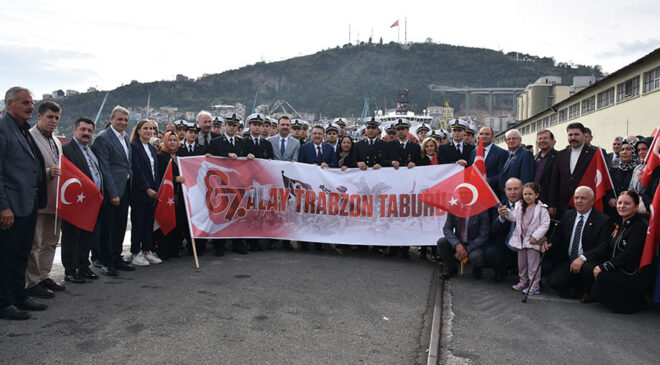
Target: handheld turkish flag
480,160
653,232
165,214
396,24
652,158
464,194
597,177
78,198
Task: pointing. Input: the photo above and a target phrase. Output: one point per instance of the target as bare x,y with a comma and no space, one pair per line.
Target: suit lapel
117,144
583,161
43,145
19,136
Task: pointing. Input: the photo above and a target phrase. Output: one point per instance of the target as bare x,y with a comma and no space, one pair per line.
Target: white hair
11,93
203,112
587,189
119,109
510,131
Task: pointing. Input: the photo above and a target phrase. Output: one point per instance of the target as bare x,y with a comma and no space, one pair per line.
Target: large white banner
283,200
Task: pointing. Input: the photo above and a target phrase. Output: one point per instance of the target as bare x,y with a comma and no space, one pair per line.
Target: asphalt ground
272,307
487,323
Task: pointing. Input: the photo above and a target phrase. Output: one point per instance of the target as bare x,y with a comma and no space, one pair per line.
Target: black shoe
448,274
88,274
75,278
241,251
422,253
405,254
97,263
319,247
219,252
496,278
476,273
109,271
39,291
11,312
30,305
586,298
124,266
270,245
50,284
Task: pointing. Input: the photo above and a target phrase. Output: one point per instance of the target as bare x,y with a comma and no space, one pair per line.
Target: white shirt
151,159
190,146
371,141
230,139
122,140
575,155
403,144
459,146
486,150
584,223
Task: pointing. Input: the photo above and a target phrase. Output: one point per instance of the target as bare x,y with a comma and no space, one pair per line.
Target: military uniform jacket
222,147
371,155
198,150
448,153
412,152
263,150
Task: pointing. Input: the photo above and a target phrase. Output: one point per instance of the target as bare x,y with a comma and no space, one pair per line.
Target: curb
436,325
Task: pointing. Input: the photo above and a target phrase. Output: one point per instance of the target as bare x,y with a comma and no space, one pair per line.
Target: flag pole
57,198
608,171
186,202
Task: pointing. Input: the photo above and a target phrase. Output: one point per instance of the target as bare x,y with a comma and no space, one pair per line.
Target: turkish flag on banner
396,24
165,215
479,159
653,233
652,158
464,194
597,177
78,198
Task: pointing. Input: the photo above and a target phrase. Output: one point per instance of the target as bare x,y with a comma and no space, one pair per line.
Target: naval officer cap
390,129
372,122
191,126
268,120
332,127
401,123
218,121
459,124
471,129
232,119
423,127
296,124
180,124
256,118
340,122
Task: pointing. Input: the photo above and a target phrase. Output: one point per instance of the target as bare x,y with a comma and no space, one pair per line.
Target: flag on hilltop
396,24
78,198
165,214
652,158
463,194
597,177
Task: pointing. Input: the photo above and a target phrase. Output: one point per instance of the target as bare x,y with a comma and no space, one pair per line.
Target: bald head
513,189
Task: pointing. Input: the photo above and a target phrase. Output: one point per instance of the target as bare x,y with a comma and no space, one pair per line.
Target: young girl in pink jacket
532,222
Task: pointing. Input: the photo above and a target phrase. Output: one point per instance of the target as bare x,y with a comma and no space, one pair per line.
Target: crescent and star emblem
472,188
599,178
170,201
65,186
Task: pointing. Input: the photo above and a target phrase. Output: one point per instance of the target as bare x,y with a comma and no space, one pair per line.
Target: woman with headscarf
642,149
622,172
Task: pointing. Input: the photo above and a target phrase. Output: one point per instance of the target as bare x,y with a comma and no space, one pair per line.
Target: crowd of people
535,231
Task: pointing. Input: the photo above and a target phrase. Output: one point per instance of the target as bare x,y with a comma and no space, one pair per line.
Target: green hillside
334,82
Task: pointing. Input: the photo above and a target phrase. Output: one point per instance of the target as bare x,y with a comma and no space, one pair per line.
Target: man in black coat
372,151
464,238
22,192
544,161
205,123
456,151
581,229
255,144
76,242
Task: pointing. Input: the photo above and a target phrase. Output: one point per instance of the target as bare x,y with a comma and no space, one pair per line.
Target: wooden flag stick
194,248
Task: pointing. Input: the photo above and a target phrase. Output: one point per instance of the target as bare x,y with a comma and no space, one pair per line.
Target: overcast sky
48,45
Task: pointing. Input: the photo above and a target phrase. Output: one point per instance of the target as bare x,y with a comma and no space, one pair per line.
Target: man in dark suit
498,254
464,238
255,144
76,242
519,163
372,151
570,165
456,151
232,146
612,158
316,152
495,157
544,161
581,229
113,151
22,192
205,123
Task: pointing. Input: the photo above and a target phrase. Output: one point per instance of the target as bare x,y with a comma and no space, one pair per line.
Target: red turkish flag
597,177
652,158
396,24
78,198
165,214
463,194
479,159
653,232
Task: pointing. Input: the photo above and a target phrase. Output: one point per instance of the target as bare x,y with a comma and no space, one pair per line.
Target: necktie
576,239
458,147
282,148
206,140
232,141
508,161
257,142
95,169
464,230
190,148
319,155
53,148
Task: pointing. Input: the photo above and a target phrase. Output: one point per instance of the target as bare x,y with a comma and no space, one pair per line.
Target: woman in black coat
614,263
346,153
169,246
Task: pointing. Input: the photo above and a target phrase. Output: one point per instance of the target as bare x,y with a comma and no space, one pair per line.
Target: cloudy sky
48,45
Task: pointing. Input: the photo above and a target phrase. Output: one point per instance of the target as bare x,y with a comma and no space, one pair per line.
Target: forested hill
334,82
